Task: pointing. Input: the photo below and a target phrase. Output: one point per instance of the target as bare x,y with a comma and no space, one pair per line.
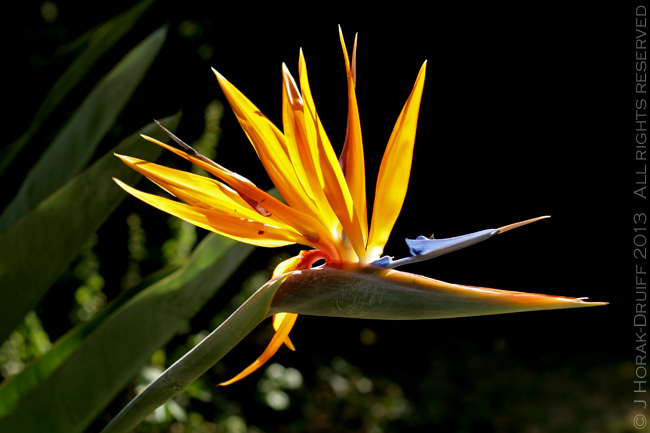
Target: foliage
482,376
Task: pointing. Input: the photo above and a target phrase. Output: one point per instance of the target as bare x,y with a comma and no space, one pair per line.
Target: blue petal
436,247
383,262
423,248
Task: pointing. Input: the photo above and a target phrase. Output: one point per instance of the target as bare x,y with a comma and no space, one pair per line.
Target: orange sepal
277,340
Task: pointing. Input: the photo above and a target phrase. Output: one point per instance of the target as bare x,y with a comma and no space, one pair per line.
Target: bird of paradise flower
326,209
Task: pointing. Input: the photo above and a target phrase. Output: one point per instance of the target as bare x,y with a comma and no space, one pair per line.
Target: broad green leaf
73,147
35,251
197,361
101,40
13,389
115,351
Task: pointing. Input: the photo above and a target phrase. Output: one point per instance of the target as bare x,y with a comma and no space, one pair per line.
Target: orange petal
288,265
270,145
395,170
274,345
240,229
300,151
199,191
334,183
301,222
352,162
304,260
277,322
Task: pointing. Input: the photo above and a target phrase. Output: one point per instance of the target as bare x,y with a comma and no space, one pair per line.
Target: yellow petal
304,260
200,191
274,345
352,161
301,222
288,265
240,229
277,322
395,171
270,145
334,183
303,160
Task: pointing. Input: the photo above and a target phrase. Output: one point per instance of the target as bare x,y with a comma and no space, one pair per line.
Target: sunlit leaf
13,389
115,351
196,362
35,251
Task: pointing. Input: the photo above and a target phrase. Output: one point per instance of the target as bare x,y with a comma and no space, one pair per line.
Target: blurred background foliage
539,372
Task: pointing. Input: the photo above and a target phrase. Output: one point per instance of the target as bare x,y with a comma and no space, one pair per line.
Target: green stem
198,360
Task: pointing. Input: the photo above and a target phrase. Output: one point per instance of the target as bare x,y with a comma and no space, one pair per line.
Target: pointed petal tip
151,139
278,340
521,223
583,302
219,76
595,304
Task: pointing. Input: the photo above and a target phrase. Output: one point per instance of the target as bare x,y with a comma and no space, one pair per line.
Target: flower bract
326,210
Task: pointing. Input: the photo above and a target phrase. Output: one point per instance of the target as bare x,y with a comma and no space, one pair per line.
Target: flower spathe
325,196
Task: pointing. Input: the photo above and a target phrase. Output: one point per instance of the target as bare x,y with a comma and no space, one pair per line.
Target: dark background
522,116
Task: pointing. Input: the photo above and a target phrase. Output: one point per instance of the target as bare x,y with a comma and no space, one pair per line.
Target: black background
527,111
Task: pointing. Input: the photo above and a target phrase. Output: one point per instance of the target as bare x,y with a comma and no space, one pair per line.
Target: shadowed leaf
116,350
197,361
35,251
97,44
13,389
73,147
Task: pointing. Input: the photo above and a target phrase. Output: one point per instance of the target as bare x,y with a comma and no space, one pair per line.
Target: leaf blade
31,258
12,389
196,362
107,359
100,41
75,144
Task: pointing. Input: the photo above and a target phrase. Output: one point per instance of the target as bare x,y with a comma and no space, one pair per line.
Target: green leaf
35,251
73,147
101,40
197,361
115,351
12,390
